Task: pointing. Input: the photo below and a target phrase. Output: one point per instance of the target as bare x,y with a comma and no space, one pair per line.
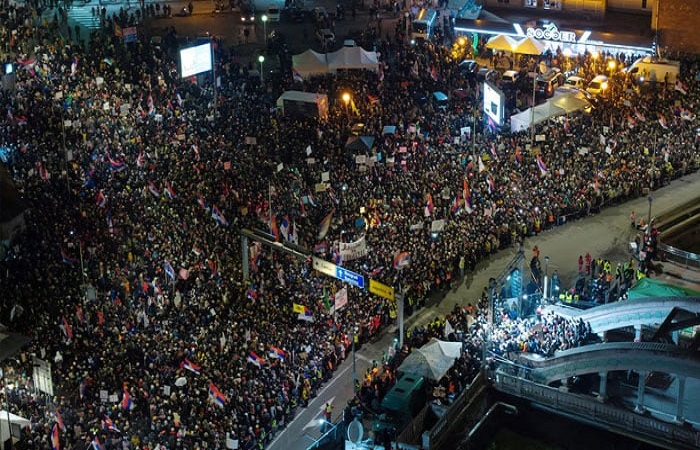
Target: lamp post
346,100
406,16
264,21
546,277
261,60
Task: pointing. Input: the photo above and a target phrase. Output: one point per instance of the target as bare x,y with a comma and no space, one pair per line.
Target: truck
303,104
402,403
650,69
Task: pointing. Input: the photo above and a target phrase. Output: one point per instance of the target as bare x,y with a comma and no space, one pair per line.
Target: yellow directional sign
382,290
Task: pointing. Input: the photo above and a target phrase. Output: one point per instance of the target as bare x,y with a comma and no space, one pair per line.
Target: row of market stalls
312,63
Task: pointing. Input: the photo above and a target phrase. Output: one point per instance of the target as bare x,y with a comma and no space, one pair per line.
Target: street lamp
264,21
611,66
406,17
261,60
546,277
346,100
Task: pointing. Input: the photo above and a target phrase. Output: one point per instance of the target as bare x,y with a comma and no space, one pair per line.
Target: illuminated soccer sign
550,32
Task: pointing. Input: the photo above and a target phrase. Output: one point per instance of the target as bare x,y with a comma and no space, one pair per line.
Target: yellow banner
382,290
297,308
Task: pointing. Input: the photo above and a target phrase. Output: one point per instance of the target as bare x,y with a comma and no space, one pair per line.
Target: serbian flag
680,87
519,154
169,192
55,442
278,353
153,189
631,121
303,209
311,199
325,225
285,228
255,359
107,423
662,122
67,330
74,66
216,396
303,312
372,98
96,444
401,260
466,193
169,271
189,365
126,399
81,318
219,216
150,105
59,420
139,160
639,115
490,182
67,258
433,73
430,205
274,229
201,202
101,199
455,204
115,164
541,165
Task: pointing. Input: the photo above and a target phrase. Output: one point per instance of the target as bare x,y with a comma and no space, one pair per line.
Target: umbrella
433,360
501,43
359,143
181,382
529,46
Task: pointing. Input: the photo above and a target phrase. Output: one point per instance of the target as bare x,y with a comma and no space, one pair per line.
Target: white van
273,14
598,85
653,69
423,25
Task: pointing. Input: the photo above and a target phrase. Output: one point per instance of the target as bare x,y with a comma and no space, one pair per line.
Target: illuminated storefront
568,40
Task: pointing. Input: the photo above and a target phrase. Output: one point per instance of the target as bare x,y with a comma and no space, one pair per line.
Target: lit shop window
552,4
531,3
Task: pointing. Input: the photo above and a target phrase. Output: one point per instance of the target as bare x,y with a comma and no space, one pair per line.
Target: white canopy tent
310,63
433,360
521,121
352,58
569,102
17,422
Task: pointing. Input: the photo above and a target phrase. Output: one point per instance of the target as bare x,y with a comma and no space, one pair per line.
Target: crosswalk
82,15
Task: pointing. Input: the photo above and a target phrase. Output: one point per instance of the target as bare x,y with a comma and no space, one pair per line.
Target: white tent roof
569,103
310,63
352,58
17,422
521,121
501,43
433,360
529,46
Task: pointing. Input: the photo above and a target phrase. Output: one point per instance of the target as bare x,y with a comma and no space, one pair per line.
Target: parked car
575,82
598,85
247,13
325,37
510,79
469,67
548,82
486,74
273,14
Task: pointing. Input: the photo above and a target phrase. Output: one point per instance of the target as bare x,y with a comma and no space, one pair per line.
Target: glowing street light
261,60
346,100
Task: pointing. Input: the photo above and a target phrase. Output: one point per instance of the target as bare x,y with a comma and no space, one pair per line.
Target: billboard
494,103
195,60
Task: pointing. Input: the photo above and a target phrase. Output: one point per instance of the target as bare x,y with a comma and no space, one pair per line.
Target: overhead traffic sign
340,273
382,290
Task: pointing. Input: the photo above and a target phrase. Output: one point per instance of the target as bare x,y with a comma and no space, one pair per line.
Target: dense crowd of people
129,278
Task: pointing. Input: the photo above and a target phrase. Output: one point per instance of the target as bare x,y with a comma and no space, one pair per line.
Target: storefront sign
550,32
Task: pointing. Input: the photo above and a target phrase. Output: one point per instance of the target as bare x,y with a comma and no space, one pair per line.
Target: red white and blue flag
126,399
55,440
255,359
59,420
150,105
541,165
139,160
67,330
325,225
169,271
202,202
401,260
274,229
101,199
96,444
216,396
189,365
169,192
115,164
67,259
153,189
430,205
662,122
491,183
108,424
219,216
276,352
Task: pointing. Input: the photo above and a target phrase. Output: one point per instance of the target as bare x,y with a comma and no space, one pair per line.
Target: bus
423,25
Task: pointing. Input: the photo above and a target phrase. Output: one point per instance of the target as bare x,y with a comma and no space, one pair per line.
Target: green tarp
647,287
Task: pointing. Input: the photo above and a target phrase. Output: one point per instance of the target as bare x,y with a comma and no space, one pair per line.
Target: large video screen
194,60
494,102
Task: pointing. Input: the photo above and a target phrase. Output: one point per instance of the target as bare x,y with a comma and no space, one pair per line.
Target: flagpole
269,203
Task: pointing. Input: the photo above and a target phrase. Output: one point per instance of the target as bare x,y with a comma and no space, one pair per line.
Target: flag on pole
139,160
278,353
274,229
169,192
55,439
126,399
219,216
108,424
491,183
482,166
541,165
519,154
255,359
401,260
153,189
67,330
96,444
189,365
67,259
59,420
115,164
326,299
169,271
216,396
430,204
101,199
325,225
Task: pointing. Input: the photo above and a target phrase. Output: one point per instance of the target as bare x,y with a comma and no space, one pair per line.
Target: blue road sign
350,277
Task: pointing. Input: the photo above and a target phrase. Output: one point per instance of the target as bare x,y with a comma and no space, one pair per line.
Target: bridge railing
653,430
678,256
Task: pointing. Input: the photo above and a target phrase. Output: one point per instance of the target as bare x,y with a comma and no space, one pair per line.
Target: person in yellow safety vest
569,297
640,274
